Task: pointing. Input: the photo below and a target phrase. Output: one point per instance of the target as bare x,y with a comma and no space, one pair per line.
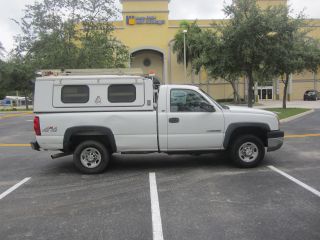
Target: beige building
148,32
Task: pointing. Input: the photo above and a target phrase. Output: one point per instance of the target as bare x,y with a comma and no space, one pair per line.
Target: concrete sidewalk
291,104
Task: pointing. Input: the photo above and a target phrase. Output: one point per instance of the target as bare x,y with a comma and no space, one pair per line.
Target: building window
147,62
124,93
75,94
185,100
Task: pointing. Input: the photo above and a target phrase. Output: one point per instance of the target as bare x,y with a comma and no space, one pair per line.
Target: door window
185,100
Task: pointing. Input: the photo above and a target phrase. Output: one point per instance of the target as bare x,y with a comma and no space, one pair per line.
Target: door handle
174,120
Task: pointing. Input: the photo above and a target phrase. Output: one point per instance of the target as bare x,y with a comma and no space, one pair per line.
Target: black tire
255,147
97,151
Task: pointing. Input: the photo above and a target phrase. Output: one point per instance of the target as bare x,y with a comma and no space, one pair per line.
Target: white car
94,116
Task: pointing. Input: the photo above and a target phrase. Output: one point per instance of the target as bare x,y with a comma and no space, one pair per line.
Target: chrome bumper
275,140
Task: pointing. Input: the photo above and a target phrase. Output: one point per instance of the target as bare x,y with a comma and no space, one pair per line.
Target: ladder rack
99,71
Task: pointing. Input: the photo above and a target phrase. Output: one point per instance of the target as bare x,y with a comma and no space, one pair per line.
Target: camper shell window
121,93
75,94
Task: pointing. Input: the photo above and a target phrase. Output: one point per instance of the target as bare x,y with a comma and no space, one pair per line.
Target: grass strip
289,112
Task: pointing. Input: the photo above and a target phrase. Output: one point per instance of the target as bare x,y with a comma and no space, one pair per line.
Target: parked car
5,102
311,95
93,117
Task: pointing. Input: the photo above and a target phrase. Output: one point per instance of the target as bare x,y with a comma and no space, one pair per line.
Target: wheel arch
103,133
235,129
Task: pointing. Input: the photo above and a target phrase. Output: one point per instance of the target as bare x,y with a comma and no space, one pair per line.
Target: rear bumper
275,140
35,146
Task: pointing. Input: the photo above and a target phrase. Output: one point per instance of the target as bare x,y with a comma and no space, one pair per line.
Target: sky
179,9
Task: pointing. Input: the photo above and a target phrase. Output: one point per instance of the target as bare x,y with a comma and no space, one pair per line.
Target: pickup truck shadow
154,162
148,163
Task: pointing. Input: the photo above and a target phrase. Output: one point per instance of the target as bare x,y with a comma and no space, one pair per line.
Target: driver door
193,122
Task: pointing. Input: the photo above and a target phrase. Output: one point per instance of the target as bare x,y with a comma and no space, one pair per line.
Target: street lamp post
185,54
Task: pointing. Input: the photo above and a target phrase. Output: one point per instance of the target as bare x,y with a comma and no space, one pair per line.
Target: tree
202,51
291,50
217,59
101,51
246,36
70,34
2,77
19,76
312,55
193,36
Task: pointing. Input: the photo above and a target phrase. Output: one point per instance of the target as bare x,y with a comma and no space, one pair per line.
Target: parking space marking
14,145
155,208
311,189
302,135
10,190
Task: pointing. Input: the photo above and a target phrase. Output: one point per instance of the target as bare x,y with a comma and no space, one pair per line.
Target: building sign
133,20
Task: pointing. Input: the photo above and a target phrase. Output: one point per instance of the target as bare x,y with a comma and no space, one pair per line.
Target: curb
296,116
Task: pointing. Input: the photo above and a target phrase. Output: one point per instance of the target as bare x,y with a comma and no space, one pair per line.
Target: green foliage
99,50
311,52
70,34
286,48
20,75
16,75
193,36
291,51
3,79
203,50
218,60
245,37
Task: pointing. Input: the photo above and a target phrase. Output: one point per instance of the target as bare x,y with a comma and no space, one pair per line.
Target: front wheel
91,157
247,151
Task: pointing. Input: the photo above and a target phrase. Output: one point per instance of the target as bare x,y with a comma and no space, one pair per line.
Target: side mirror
207,107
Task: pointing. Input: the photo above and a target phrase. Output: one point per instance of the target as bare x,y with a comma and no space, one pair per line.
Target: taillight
36,126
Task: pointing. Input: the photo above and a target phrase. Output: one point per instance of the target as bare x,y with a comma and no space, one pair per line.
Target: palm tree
193,33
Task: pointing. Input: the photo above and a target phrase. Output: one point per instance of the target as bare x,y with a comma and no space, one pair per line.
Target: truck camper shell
84,91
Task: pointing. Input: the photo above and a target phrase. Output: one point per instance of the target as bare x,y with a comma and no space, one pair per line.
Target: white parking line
155,208
311,189
10,190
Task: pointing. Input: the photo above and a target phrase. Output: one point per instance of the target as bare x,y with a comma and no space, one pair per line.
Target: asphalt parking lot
157,196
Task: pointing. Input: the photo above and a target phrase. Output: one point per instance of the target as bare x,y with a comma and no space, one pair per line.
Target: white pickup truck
94,116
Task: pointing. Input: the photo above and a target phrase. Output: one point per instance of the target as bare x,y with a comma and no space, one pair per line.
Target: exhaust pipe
59,155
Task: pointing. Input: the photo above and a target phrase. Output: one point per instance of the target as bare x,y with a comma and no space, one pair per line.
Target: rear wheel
91,157
247,151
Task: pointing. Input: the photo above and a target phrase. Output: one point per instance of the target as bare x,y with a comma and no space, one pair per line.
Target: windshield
221,106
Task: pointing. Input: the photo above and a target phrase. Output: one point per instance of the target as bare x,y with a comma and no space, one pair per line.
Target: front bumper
35,145
275,140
